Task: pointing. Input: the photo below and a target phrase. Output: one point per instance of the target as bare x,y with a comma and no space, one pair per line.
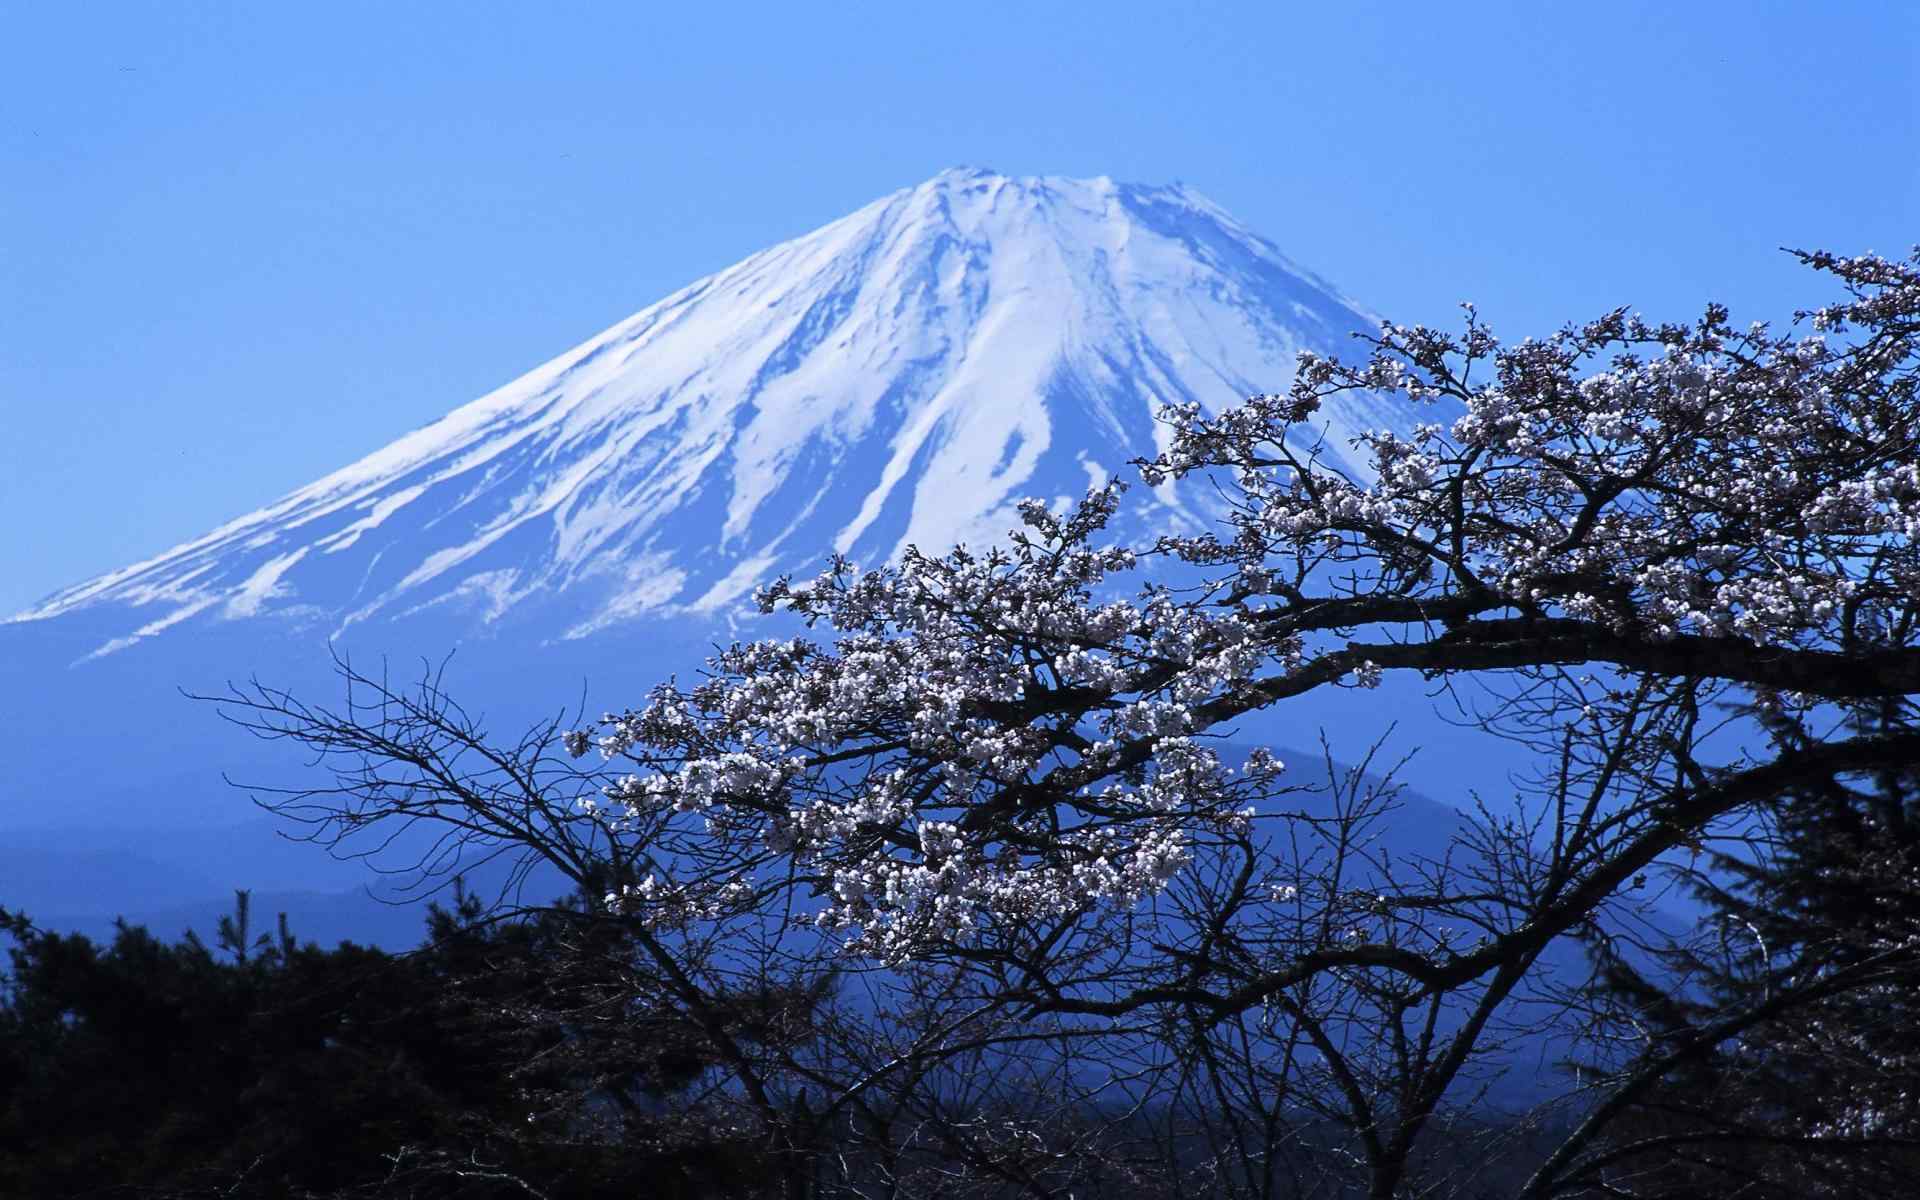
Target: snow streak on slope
901,376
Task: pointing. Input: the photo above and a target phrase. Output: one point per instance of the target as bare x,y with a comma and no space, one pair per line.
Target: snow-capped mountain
900,376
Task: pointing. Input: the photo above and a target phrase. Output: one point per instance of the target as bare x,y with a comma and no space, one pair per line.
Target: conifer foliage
499,1060
1782,1048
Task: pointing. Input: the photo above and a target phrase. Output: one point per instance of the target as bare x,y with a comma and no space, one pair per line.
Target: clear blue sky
243,245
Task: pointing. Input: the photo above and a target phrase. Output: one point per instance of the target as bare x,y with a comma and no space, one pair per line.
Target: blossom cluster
1000,736
1661,481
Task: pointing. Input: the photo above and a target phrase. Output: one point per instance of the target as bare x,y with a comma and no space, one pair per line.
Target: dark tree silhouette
1780,1050
501,1059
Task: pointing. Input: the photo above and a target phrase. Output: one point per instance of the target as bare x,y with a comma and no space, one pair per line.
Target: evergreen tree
502,1059
1785,1062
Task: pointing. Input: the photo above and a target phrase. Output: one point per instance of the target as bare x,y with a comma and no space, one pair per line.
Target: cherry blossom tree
1674,562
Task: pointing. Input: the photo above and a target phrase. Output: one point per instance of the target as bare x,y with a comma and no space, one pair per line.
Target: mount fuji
899,377
902,376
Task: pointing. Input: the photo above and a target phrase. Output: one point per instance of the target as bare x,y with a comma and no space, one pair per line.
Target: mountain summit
900,376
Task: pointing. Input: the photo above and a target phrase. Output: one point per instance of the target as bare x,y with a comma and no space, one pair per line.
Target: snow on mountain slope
901,376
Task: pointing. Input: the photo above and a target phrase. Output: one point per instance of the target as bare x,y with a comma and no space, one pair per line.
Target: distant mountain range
327,901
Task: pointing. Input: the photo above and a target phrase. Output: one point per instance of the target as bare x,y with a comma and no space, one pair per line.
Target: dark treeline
530,1058
499,1059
